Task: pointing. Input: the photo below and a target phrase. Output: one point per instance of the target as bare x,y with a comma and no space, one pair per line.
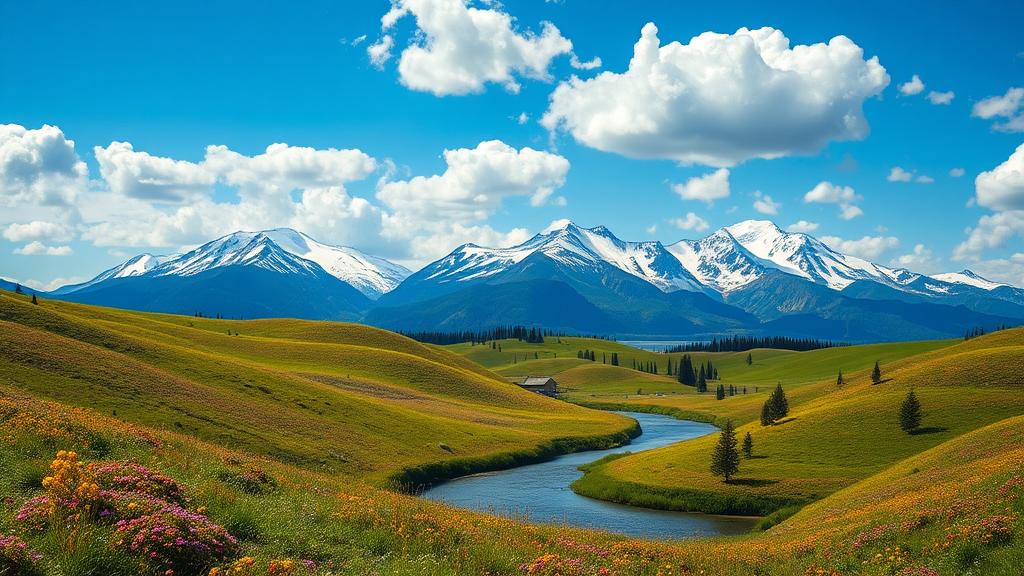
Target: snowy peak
969,278
719,261
238,249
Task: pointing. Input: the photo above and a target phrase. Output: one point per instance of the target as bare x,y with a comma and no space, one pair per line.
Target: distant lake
658,345
540,492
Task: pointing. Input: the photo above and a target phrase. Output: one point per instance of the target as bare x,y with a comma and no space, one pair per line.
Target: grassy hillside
833,436
338,397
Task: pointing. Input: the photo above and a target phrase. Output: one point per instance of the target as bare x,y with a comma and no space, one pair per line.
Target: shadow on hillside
882,381
781,422
756,457
928,430
752,482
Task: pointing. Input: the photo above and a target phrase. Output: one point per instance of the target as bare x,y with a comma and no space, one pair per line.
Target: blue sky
154,85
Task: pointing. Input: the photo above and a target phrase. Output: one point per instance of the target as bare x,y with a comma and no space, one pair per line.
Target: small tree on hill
615,358
750,360
766,414
776,407
725,460
876,374
839,380
34,301
702,383
18,290
910,413
720,392
748,445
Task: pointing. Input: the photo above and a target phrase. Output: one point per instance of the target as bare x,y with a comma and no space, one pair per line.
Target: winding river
540,492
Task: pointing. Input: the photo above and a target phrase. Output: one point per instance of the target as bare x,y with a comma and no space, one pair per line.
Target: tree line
522,333
744,343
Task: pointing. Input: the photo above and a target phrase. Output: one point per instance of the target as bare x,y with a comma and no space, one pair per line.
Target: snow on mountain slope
718,261
577,248
136,266
238,249
969,278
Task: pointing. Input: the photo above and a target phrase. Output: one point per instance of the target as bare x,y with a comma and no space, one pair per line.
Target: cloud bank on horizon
714,113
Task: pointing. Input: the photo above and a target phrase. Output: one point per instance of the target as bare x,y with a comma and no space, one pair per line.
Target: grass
335,397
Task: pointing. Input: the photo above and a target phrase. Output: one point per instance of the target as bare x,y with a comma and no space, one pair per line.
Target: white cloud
897,174
940,97
574,61
1009,106
458,48
764,204
920,260
707,188
39,230
430,247
803,226
1003,187
523,118
957,172
722,99
867,247
556,225
653,229
992,231
139,175
924,179
380,51
915,86
691,222
39,168
475,183
829,193
40,249
359,40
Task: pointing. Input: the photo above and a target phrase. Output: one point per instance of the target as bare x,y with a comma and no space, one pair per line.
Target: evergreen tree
579,354
603,357
748,445
839,380
702,375
750,360
910,413
702,382
34,301
668,369
720,392
615,358
777,407
876,374
18,290
766,413
716,374
725,460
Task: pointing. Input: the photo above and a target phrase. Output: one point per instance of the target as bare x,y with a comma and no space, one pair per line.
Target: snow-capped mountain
576,248
970,279
719,261
281,250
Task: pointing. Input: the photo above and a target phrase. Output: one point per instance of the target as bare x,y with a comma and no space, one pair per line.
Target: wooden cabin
540,384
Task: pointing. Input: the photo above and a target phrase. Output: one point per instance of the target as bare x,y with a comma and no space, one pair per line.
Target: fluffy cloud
1009,106
897,174
922,179
474,184
803,226
139,175
708,188
957,172
764,204
867,247
940,97
1003,187
39,230
459,49
691,222
443,240
40,249
915,86
920,260
286,168
722,99
829,193
39,167
992,231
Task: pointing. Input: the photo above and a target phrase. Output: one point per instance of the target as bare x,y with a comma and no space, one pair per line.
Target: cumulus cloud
940,97
691,222
39,230
140,175
652,229
458,49
897,174
39,167
40,249
992,231
1003,187
957,172
443,240
924,179
868,247
764,204
920,260
722,99
802,226
286,168
1009,106
829,193
475,183
707,188
915,86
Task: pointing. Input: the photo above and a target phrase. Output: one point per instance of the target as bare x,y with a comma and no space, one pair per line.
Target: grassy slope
833,437
348,398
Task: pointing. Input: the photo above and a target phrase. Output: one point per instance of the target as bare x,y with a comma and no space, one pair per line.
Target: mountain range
751,278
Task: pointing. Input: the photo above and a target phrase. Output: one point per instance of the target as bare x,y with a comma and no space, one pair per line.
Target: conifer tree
777,407
750,359
748,445
702,382
615,358
655,366
720,392
910,413
766,413
603,357
839,380
18,290
34,301
725,460
876,374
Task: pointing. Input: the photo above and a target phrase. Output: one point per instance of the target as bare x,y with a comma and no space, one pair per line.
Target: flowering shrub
125,477
15,556
175,538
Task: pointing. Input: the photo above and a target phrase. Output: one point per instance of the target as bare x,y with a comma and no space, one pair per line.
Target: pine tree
910,413
34,301
748,445
776,405
750,360
876,374
725,460
839,380
603,357
766,413
18,290
720,392
615,358
702,382
655,367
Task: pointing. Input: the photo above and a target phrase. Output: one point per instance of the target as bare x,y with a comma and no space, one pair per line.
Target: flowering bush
125,477
175,538
15,557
